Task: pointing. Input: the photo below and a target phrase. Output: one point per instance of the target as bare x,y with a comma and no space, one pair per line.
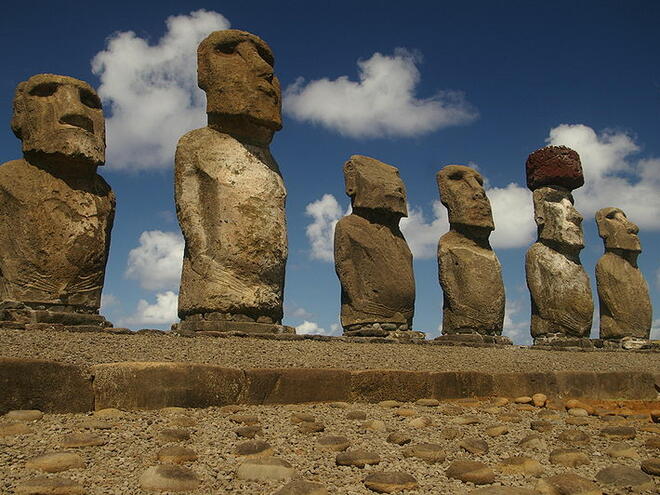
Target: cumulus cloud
516,329
381,103
655,330
310,327
156,262
107,301
513,213
150,90
613,177
325,213
162,312
422,234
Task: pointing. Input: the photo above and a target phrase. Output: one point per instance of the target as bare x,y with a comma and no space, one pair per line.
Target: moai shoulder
56,212
372,258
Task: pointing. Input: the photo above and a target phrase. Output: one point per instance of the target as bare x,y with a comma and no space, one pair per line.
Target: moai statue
469,271
230,194
372,258
625,306
56,212
562,305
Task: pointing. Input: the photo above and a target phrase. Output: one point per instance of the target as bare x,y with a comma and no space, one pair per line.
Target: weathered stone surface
228,188
357,457
470,471
24,415
390,481
651,466
469,271
520,465
302,487
169,478
577,437
372,258
622,449
336,443
619,432
254,448
49,486
562,305
554,166
75,440
569,457
399,438
11,429
474,446
265,468
56,462
623,294
56,212
175,454
567,484
429,452
625,476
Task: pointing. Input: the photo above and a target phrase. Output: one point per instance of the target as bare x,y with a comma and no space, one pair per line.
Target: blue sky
419,86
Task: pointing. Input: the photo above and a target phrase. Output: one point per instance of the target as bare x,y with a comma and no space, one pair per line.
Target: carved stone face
617,231
375,185
557,218
235,69
60,115
462,192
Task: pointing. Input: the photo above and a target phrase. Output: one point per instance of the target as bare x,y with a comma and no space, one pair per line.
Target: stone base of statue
471,339
626,343
22,316
560,340
220,323
394,331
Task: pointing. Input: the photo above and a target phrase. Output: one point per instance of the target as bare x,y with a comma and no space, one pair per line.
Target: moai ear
539,207
18,115
350,179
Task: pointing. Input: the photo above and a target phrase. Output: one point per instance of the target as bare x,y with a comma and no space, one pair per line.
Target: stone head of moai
59,119
462,192
617,232
243,96
375,186
552,173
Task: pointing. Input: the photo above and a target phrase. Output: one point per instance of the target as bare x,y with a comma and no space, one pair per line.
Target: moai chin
372,258
625,305
562,305
230,194
56,212
470,273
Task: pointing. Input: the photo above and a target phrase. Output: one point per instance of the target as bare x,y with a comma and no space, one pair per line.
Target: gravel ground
236,352
133,441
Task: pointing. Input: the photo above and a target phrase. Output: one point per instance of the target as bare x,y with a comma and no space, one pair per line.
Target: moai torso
469,271
372,258
230,201
56,212
230,194
623,294
561,298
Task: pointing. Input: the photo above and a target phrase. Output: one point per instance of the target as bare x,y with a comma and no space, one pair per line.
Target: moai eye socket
90,99
456,175
44,89
611,215
226,48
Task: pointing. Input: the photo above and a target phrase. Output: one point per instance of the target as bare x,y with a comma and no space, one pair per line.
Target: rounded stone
510,418
496,431
49,486
521,464
249,431
230,409
246,419
389,404
539,400
390,481
302,487
84,439
374,425
169,478
541,426
578,404
625,476
655,415
578,412
174,435
652,443
574,421
356,415
470,471
475,446
524,399
254,448
405,412
622,449
619,432
399,438
264,469
466,420
427,402
500,401
310,427
429,452
358,458
56,462
335,443
651,466
567,484
451,433
569,457
24,415
182,420
533,442
300,417
108,412
175,454
11,429
420,422
554,166
574,437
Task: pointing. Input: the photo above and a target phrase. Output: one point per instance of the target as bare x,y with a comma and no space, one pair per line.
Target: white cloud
150,90
423,235
310,327
326,212
513,213
335,329
516,330
612,176
655,330
382,103
162,312
108,301
156,262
